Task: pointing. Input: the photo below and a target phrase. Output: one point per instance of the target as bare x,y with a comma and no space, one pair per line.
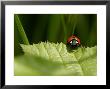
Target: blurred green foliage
55,28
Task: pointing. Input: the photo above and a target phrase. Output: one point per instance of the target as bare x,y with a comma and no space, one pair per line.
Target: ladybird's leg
82,48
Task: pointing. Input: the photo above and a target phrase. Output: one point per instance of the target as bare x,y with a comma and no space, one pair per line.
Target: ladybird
73,41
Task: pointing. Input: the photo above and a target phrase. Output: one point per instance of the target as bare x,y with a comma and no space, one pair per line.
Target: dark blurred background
56,28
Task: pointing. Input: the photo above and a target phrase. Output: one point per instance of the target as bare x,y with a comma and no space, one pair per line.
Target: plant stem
64,28
74,26
21,30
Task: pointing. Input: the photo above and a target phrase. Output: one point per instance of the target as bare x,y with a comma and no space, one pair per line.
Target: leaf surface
54,59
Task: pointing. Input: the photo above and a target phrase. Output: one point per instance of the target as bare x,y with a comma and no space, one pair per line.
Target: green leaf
47,58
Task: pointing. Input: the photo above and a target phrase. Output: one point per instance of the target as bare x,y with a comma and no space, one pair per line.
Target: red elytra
73,37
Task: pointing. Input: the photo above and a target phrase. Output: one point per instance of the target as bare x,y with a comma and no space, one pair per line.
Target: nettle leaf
47,58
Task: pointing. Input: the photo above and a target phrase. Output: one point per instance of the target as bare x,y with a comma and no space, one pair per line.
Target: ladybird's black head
73,44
